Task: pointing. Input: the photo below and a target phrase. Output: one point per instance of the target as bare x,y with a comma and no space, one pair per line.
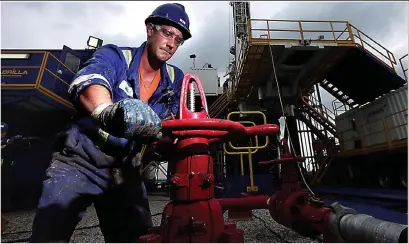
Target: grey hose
349,226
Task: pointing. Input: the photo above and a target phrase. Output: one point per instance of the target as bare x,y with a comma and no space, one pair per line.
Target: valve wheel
198,123
214,128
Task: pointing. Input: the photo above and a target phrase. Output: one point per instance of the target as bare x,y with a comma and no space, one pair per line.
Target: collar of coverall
133,72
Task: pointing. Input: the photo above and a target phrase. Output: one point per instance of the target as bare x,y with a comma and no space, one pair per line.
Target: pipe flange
335,219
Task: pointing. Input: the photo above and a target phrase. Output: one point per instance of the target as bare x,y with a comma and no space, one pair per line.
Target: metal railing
218,105
250,150
328,32
320,108
240,60
339,107
384,134
336,33
403,69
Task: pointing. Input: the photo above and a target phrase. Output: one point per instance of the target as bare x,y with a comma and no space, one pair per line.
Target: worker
121,96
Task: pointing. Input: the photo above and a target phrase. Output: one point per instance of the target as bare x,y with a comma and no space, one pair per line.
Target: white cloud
33,25
50,25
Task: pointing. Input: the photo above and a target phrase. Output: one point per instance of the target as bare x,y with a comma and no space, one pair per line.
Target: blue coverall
87,158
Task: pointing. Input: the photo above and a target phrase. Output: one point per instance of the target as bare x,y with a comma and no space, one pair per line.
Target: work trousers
123,210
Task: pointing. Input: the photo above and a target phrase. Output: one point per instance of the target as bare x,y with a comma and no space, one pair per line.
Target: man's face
163,41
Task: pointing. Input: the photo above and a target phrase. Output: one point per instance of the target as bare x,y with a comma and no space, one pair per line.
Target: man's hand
129,118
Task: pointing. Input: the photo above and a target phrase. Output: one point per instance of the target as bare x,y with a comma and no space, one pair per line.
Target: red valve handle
184,112
197,124
211,128
286,157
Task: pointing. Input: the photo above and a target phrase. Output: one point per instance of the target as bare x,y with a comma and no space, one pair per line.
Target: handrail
297,21
256,147
239,67
250,153
249,112
387,51
346,28
401,65
386,129
352,40
336,108
355,38
217,105
311,101
362,45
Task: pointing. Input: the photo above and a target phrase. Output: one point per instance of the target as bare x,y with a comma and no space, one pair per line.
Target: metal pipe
254,202
251,171
365,228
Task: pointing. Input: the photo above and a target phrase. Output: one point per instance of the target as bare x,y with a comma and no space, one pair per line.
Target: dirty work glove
129,118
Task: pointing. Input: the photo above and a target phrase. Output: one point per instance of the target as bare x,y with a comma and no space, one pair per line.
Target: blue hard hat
174,13
4,126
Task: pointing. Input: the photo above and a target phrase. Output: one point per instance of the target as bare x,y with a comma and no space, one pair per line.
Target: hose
349,226
365,228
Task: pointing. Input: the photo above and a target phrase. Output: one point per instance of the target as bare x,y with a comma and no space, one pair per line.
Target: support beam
292,129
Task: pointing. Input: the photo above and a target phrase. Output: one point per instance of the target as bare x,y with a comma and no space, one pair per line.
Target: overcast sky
50,25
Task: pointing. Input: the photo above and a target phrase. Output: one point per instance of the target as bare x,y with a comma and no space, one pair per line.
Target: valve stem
192,97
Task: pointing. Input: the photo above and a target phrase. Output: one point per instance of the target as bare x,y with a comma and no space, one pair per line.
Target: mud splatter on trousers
123,210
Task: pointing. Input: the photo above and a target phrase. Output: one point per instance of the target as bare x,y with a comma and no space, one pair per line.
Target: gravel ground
18,228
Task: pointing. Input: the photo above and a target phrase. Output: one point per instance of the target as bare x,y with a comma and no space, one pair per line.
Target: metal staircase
338,94
219,105
319,117
307,121
344,61
323,161
321,114
321,122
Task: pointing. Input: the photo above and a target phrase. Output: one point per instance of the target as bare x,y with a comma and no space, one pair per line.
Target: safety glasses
168,34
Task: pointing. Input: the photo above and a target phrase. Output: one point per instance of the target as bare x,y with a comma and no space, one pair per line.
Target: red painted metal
193,215
184,112
291,206
294,207
192,126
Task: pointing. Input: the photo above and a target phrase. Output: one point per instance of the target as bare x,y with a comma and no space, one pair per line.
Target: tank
382,121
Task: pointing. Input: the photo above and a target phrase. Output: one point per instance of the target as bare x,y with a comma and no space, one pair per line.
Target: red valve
187,85
194,215
211,128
